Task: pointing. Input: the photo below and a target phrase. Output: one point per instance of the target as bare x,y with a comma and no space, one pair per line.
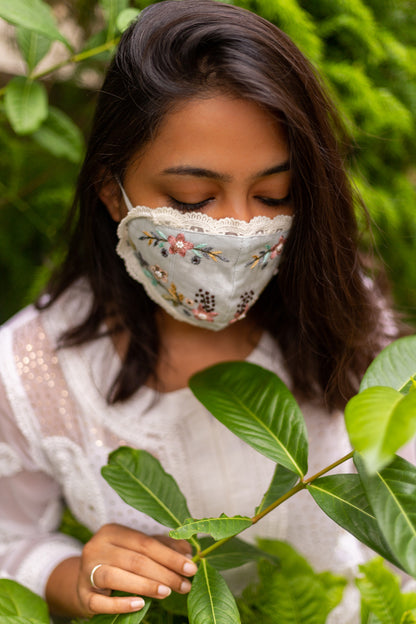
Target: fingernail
164,591
185,587
190,568
137,603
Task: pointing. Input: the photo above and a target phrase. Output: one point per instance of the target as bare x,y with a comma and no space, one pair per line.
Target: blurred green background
366,50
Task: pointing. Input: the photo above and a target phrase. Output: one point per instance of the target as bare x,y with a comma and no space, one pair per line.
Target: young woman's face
222,156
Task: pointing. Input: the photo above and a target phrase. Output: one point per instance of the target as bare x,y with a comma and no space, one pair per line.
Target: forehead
218,129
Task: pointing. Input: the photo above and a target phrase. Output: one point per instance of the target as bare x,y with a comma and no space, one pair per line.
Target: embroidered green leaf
224,526
139,479
210,601
258,407
162,235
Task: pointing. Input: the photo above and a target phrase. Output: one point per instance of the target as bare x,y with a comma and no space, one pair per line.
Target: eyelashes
267,201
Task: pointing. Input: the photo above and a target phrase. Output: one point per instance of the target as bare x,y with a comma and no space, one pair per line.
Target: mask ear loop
123,192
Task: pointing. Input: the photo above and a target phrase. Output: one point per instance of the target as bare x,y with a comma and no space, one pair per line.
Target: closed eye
270,201
186,206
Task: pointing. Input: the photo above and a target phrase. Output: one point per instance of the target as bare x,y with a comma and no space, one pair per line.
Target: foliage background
366,50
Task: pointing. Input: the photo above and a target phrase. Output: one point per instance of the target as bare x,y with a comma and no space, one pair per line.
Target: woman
215,159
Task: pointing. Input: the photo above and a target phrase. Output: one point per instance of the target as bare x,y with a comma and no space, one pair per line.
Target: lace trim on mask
201,222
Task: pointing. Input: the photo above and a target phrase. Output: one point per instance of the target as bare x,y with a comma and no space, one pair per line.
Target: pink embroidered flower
277,249
159,273
203,315
179,245
238,316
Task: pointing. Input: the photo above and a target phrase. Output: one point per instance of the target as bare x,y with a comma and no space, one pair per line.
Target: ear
110,194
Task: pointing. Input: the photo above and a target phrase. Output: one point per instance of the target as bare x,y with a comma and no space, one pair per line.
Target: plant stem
296,488
75,58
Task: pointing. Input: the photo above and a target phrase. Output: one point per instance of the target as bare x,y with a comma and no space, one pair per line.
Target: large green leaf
32,45
380,590
60,136
392,496
394,366
139,479
292,598
26,104
33,14
20,619
257,406
409,617
17,600
122,618
283,480
343,498
380,420
234,553
210,601
224,526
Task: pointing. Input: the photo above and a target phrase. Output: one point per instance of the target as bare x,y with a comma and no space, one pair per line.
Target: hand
131,562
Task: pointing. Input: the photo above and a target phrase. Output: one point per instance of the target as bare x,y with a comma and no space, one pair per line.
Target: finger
154,585
181,546
137,566
99,603
140,544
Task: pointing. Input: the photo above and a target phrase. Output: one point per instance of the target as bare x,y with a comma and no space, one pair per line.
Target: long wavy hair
321,309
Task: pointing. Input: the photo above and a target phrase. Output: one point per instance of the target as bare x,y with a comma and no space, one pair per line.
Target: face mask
204,271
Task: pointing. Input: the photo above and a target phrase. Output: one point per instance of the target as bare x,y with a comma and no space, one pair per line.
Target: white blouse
56,431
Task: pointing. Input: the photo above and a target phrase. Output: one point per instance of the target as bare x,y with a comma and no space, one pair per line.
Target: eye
270,201
186,206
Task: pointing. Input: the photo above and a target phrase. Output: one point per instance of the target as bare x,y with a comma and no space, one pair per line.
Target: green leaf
393,367
32,46
125,18
34,15
333,586
392,496
380,590
26,104
210,601
409,617
112,9
122,618
60,136
224,526
292,598
17,600
283,480
257,407
380,420
343,498
139,479
234,553
19,619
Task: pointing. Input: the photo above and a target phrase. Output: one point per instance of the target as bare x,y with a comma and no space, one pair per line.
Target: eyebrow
200,172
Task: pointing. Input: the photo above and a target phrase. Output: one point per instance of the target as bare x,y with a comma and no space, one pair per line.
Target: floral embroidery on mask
266,254
179,245
243,307
201,314
159,273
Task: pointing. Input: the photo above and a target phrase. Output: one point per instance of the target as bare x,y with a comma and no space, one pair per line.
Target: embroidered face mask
205,271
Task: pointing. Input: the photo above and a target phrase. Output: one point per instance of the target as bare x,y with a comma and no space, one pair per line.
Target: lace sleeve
30,511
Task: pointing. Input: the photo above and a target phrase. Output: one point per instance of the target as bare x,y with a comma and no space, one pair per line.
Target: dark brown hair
323,313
